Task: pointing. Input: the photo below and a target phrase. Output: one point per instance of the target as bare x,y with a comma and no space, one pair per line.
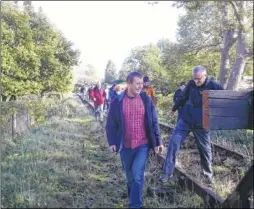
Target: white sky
104,30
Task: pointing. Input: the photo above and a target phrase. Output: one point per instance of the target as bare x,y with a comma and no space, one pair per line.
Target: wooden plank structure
227,110
230,110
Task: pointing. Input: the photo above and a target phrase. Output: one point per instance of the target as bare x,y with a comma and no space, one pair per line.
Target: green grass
65,162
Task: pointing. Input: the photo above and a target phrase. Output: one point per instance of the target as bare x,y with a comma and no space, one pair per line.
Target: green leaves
36,57
110,72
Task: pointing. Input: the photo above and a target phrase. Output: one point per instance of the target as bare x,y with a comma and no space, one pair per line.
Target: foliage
199,42
110,72
36,57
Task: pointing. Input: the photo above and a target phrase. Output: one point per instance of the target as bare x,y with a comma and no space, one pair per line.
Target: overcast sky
104,30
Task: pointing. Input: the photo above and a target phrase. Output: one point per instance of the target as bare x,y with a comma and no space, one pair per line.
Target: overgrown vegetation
65,162
36,57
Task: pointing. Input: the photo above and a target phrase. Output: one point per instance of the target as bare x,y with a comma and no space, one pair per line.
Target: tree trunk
240,61
8,98
238,68
228,41
225,62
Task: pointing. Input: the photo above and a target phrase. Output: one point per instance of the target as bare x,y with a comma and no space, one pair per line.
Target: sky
104,30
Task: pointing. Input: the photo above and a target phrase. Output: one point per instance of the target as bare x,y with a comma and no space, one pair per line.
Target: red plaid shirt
134,119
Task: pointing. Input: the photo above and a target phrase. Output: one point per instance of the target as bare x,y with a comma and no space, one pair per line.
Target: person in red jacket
98,96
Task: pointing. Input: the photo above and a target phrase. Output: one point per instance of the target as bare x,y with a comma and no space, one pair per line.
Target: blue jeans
180,112
177,138
134,162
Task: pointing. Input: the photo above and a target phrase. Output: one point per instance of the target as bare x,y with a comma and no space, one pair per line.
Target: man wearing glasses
191,121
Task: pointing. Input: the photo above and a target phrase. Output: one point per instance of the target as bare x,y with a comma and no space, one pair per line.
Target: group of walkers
101,96
132,128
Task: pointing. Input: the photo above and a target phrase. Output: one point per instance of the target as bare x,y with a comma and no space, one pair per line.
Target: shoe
165,178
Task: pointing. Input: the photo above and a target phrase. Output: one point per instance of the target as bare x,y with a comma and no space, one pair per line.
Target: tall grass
65,162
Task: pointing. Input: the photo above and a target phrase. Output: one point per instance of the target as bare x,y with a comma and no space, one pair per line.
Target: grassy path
66,163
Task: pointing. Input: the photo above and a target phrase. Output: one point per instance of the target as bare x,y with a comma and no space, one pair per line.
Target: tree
20,64
199,31
36,57
241,10
110,72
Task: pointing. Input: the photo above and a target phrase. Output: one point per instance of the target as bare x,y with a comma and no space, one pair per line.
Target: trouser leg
205,150
177,138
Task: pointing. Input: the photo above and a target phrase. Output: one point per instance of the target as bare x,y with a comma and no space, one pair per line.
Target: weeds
65,162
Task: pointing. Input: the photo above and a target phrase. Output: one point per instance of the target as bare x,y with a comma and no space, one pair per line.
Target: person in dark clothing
112,93
177,95
89,92
82,91
191,121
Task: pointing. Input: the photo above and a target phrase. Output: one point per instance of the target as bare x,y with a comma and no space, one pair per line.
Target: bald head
199,75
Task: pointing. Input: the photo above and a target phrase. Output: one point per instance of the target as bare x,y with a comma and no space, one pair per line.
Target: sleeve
182,98
217,86
91,94
153,96
175,96
155,125
112,125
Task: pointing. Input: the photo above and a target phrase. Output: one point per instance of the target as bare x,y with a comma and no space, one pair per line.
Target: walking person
112,93
82,91
191,121
132,129
98,96
148,89
177,95
106,102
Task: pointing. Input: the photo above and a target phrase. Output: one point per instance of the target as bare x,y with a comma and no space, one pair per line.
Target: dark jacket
111,93
177,95
115,127
191,99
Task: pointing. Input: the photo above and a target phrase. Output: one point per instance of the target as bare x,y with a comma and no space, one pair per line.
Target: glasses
198,79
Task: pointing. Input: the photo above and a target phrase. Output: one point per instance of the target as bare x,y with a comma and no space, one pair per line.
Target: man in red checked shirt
98,95
132,129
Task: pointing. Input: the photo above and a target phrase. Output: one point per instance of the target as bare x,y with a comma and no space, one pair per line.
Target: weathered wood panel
227,110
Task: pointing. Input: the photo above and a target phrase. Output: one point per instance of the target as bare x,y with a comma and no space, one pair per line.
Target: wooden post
14,125
226,110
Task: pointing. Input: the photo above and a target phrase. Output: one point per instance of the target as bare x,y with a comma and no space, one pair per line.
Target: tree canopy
217,35
110,72
36,57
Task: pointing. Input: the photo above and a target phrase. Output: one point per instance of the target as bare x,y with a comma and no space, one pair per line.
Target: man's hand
171,114
113,148
159,149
